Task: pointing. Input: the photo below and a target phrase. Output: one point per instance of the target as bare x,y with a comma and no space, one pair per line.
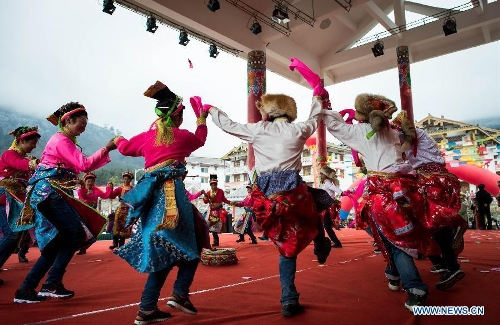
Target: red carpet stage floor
349,289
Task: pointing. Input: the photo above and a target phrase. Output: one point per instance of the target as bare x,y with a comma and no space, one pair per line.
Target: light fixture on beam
212,50
183,38
256,28
261,17
449,26
213,5
280,15
378,48
151,24
108,6
291,10
164,20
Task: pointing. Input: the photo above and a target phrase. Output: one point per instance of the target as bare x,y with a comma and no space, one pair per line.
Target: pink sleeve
15,160
194,196
107,194
193,140
86,197
132,147
201,134
116,192
103,195
76,160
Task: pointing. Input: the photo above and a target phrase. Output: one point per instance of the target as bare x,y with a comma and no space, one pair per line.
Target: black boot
115,242
240,239
121,241
337,244
216,239
322,245
22,258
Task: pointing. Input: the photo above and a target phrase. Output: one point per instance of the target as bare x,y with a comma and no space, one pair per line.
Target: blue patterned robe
152,250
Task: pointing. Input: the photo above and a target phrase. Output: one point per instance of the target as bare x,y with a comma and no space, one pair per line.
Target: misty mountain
90,141
491,122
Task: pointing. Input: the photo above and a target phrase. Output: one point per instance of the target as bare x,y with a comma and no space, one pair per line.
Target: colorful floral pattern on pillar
405,80
256,86
256,71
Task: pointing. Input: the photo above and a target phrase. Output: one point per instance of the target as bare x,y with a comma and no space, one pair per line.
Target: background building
462,143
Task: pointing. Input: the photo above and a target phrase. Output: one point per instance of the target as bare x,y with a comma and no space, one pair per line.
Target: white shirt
382,152
331,188
277,145
427,151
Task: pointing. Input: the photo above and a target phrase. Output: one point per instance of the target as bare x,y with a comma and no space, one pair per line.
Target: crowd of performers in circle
410,202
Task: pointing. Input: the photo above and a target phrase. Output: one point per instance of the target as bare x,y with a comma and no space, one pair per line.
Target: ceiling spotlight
256,28
212,50
449,26
280,15
183,38
213,5
151,25
108,6
378,48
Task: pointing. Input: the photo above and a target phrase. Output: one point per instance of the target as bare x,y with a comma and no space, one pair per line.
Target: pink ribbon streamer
310,76
198,106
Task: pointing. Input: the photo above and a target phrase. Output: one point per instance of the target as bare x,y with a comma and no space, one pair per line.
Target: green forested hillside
92,139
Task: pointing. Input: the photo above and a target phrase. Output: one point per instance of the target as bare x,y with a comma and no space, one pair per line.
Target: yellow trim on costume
164,134
32,164
14,147
201,120
171,213
28,213
116,138
389,175
160,165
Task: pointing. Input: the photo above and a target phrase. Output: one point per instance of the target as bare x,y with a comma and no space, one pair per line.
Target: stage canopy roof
333,37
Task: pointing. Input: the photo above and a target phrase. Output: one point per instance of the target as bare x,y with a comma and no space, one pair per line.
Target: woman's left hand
203,112
111,145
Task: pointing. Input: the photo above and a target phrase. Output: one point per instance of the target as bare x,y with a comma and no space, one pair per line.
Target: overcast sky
56,51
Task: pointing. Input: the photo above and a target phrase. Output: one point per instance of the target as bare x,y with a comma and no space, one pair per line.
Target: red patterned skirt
289,218
389,206
441,191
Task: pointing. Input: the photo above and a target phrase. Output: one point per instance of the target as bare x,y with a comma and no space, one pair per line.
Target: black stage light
280,15
449,26
256,28
151,25
183,38
213,5
378,49
213,51
108,7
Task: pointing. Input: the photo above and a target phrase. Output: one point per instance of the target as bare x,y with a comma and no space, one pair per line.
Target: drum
219,256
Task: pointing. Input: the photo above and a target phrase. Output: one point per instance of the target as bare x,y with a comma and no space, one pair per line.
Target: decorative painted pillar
405,81
322,153
256,86
321,150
